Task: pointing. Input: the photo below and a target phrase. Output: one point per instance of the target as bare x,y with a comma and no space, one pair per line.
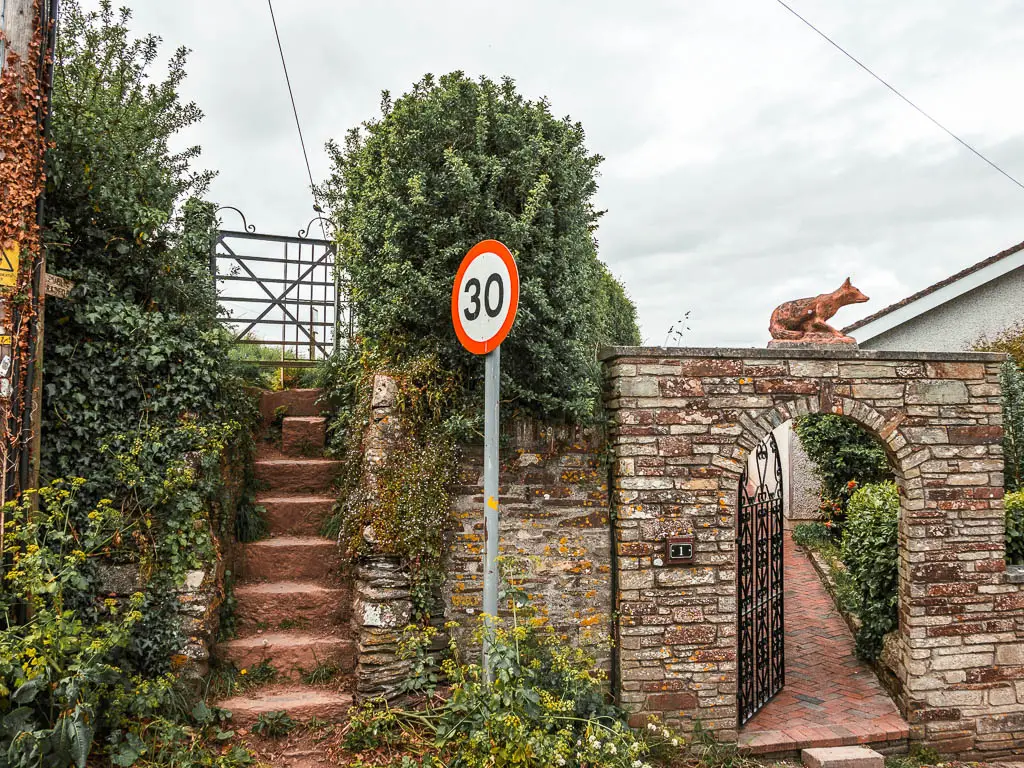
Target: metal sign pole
485,297
492,384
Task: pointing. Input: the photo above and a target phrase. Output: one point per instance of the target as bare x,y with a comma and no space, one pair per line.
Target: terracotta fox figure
804,319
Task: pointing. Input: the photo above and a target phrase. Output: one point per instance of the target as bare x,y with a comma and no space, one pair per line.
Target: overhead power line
892,88
295,111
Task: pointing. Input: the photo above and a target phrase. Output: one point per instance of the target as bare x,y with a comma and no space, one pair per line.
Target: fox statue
804,319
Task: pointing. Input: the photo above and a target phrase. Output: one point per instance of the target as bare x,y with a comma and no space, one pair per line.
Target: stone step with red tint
278,605
301,704
296,402
298,515
842,757
297,475
290,558
303,435
290,653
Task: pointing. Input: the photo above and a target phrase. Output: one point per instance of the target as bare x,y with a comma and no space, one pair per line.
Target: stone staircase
293,608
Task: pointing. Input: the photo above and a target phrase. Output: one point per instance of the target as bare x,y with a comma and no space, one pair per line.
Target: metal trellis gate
282,294
762,658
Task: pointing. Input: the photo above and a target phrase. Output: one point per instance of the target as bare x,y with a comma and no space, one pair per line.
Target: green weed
274,725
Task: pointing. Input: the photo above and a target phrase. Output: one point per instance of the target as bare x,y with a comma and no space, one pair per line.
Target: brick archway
684,421
901,451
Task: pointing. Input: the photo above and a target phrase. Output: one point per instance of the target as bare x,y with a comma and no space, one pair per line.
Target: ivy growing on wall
140,401
400,504
135,353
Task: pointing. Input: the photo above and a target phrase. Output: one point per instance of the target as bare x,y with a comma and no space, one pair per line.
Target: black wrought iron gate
762,658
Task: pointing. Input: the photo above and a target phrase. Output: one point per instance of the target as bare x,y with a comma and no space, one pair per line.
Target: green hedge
1012,380
1015,528
141,413
871,553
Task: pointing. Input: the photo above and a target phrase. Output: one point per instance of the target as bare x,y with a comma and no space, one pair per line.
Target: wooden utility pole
21,20
27,36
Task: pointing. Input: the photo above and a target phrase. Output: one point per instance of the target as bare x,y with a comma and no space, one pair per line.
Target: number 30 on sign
485,297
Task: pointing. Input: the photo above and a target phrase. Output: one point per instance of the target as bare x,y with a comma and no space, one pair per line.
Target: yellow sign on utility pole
9,258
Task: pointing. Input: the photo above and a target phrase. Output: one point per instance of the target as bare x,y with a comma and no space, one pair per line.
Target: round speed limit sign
485,297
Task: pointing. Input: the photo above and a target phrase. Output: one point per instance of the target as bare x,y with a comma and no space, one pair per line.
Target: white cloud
748,161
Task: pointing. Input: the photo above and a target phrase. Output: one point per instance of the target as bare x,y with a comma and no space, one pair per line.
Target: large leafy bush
845,456
136,344
139,400
870,551
453,162
841,451
450,163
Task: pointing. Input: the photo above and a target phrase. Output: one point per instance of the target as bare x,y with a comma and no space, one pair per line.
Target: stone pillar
383,608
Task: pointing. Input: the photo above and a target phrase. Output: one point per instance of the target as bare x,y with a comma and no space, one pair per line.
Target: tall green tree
136,344
453,162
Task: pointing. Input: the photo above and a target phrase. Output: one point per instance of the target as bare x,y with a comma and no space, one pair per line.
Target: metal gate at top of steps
283,296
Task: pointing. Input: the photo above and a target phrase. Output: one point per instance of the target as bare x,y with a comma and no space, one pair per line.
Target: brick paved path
830,697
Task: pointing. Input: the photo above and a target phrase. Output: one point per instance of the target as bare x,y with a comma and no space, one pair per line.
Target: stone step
298,402
276,605
297,475
887,733
290,653
290,558
303,435
842,757
300,702
299,515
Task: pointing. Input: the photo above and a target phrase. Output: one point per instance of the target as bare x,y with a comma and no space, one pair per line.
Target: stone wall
382,602
383,607
684,421
554,514
554,509
199,602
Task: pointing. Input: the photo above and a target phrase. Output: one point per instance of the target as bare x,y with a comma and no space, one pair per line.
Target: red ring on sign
503,253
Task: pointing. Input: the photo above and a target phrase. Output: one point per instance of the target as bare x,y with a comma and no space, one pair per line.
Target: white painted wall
956,325
800,486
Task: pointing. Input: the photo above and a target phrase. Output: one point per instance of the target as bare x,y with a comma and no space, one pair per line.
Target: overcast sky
747,161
